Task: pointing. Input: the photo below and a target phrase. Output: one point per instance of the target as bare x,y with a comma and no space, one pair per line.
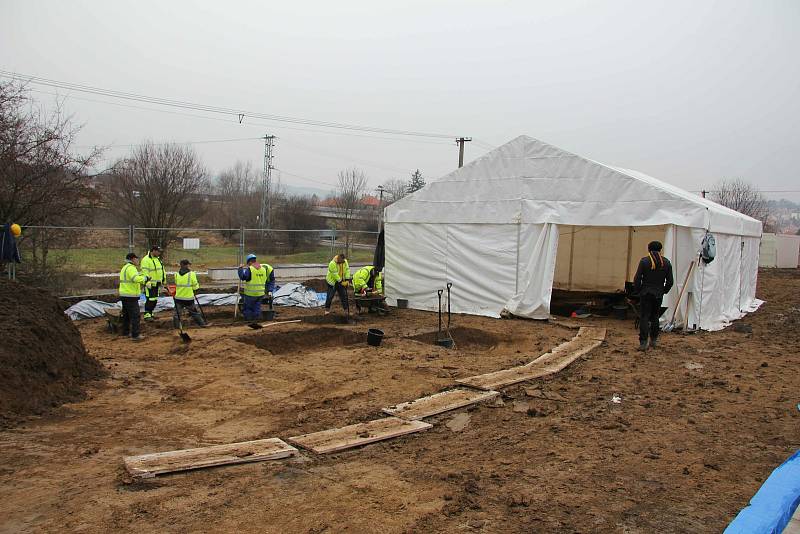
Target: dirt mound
43,362
317,284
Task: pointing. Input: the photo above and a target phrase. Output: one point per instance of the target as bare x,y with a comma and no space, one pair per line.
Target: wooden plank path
347,437
552,362
438,403
150,465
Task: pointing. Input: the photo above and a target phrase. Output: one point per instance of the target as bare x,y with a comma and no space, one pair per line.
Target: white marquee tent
527,217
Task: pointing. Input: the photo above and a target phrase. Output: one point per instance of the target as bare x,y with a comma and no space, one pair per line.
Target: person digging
368,282
338,278
185,285
652,281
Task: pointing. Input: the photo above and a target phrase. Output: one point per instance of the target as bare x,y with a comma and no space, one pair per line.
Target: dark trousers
650,311
252,308
130,316
152,298
333,290
191,308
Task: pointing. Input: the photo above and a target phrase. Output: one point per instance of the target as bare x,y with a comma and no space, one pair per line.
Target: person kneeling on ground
652,281
259,279
185,285
367,282
338,278
130,287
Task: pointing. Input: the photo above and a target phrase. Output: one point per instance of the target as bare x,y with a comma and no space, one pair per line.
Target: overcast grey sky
687,91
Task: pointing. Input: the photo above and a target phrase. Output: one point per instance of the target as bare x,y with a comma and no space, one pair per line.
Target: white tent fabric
779,250
492,228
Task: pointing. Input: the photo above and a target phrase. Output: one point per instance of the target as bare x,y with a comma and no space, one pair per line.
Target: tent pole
630,251
571,254
516,280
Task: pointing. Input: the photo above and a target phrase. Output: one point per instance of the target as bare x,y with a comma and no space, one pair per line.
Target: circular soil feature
464,337
304,341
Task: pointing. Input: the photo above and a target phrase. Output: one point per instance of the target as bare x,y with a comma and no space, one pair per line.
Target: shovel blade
185,337
255,326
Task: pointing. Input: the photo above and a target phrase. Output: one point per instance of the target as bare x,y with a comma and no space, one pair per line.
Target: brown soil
300,342
43,362
317,284
703,421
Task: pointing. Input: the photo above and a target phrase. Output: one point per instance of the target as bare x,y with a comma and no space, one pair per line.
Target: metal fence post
240,258
131,238
333,243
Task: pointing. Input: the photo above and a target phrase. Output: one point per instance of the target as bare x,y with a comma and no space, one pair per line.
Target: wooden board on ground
438,403
339,439
150,465
554,361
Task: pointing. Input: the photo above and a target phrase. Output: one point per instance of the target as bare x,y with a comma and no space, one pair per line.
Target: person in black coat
653,279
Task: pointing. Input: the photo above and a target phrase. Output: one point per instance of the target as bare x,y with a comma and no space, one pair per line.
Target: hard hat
16,230
250,257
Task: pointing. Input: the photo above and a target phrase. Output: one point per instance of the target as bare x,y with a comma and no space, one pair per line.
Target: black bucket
269,315
402,304
446,342
374,337
620,311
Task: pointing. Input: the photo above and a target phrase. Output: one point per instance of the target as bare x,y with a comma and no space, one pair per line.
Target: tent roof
529,181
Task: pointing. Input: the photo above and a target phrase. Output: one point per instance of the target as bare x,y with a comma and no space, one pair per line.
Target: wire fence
72,260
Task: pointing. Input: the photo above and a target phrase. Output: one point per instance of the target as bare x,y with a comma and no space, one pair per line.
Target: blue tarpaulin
771,508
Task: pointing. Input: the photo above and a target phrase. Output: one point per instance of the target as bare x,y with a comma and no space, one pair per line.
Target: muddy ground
702,422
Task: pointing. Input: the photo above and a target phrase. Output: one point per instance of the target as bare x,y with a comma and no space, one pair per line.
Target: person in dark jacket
653,279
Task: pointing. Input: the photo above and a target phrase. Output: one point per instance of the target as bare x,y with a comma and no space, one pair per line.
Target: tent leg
571,255
630,251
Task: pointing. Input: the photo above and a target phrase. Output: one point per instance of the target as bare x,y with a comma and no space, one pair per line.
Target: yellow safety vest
256,286
337,272
361,278
130,281
153,268
186,285
379,283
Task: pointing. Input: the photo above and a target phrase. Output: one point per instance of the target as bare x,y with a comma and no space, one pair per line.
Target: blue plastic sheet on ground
771,508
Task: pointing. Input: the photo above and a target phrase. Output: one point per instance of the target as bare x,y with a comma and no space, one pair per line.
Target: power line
239,113
201,142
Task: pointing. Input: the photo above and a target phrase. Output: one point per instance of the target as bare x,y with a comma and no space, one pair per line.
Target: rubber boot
642,347
652,343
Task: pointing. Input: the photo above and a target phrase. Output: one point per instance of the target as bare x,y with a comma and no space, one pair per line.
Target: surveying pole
266,183
460,142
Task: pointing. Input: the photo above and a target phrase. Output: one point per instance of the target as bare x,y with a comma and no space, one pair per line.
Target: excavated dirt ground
702,422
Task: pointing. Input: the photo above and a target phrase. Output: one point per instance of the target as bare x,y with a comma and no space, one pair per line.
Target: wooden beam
150,465
339,439
438,403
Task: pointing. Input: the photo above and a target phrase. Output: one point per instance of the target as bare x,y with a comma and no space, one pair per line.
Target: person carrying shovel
258,279
652,281
185,285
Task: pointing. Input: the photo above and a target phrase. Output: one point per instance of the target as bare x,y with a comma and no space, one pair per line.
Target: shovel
184,336
670,326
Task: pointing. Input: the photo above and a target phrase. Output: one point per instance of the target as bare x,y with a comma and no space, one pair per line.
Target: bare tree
43,181
417,182
237,190
159,186
394,190
295,212
349,192
741,196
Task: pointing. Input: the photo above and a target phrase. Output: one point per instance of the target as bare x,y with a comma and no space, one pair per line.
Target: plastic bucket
374,337
446,342
620,311
402,304
269,315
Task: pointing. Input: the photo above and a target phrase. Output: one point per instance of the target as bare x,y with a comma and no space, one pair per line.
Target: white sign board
191,243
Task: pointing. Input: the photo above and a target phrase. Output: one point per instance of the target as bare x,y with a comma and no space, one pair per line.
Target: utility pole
460,142
380,207
703,193
266,183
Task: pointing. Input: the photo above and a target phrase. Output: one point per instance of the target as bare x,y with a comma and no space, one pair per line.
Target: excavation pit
304,341
464,337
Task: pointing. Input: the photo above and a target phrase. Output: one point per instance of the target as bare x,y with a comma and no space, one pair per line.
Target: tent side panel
537,263
787,251
415,263
482,265
768,253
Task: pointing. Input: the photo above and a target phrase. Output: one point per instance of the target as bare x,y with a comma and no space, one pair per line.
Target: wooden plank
438,403
592,332
339,439
150,465
544,365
